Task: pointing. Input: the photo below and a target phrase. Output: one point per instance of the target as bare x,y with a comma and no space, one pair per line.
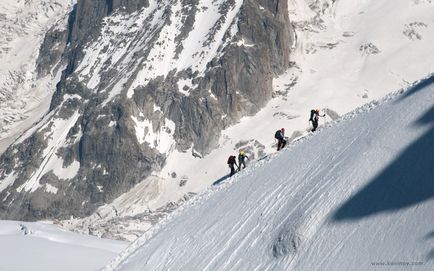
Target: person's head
241,152
317,110
283,130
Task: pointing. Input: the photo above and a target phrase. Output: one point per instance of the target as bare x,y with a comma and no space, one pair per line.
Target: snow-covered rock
25,93
134,88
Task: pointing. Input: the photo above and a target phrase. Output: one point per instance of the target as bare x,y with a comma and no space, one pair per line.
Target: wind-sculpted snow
280,213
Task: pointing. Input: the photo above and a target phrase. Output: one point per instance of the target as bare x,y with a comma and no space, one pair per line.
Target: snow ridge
294,239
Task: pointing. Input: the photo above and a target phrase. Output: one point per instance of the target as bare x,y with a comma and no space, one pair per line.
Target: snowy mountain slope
335,66
40,246
24,93
355,195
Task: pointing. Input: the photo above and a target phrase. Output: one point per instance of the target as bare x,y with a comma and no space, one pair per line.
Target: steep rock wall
115,116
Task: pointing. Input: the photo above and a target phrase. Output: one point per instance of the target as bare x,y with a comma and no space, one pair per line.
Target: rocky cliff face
25,92
142,79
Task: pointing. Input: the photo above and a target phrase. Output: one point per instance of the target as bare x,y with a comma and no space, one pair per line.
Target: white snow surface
162,139
356,195
44,247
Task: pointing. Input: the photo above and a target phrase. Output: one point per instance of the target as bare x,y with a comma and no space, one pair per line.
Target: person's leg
279,144
315,125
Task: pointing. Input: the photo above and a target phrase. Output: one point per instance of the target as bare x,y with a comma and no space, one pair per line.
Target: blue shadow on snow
409,180
221,180
416,88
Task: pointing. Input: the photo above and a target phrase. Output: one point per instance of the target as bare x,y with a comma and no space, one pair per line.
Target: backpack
278,135
312,114
231,160
242,156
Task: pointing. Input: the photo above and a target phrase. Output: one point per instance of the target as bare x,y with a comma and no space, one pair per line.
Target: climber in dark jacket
280,136
314,118
231,162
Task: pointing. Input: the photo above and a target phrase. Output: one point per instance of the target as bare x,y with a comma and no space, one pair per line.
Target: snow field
41,246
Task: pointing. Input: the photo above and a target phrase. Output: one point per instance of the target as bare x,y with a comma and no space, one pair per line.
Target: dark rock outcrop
101,131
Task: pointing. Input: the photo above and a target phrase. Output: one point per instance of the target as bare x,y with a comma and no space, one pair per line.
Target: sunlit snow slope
354,195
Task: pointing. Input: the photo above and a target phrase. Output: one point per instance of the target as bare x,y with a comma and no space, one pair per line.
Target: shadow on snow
408,181
221,180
